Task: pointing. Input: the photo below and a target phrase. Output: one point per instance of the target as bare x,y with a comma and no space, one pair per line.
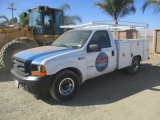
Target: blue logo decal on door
101,62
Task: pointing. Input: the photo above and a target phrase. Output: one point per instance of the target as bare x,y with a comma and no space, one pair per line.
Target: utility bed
126,49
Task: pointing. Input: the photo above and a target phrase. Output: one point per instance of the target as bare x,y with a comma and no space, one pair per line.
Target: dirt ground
114,96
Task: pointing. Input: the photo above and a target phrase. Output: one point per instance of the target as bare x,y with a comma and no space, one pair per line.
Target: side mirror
25,14
94,48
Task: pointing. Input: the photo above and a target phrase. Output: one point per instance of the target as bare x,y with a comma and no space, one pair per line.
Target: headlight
38,70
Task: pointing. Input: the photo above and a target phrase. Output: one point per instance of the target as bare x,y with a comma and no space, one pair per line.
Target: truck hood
40,53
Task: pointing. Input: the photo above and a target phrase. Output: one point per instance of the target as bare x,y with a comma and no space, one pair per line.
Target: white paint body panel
85,62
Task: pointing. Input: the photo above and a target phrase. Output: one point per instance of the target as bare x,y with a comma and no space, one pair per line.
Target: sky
84,9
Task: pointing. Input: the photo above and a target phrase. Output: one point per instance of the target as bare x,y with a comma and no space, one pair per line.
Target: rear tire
64,86
135,66
8,50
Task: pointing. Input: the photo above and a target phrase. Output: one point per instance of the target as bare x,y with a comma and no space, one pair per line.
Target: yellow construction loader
43,29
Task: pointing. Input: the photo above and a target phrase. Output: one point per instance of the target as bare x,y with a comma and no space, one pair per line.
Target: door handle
112,53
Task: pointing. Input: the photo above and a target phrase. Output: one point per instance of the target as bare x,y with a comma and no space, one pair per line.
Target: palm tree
69,19
3,23
10,22
116,9
4,17
152,3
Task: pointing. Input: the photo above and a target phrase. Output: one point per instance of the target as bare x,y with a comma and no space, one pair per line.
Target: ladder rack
109,25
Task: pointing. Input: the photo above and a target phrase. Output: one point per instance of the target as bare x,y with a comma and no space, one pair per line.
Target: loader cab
45,21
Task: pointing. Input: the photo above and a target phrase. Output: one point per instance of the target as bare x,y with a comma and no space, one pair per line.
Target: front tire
64,86
135,66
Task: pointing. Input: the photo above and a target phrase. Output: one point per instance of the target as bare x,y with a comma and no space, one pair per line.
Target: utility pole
12,8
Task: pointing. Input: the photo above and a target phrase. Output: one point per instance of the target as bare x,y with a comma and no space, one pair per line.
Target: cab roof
44,7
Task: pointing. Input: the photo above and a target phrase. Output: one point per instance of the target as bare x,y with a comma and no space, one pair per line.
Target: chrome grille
18,62
21,66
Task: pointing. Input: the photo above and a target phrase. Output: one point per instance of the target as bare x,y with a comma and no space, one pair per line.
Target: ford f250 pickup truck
76,56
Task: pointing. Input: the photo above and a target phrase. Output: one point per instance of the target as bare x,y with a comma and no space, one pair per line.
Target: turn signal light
42,72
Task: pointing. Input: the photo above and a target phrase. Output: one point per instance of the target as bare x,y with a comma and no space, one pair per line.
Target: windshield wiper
63,45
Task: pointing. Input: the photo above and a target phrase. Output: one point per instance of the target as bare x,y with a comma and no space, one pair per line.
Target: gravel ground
114,96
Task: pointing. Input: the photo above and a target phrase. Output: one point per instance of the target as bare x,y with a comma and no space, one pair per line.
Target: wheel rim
66,86
135,66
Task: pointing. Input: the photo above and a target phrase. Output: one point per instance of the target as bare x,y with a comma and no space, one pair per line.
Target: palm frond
64,7
4,17
151,3
73,19
69,19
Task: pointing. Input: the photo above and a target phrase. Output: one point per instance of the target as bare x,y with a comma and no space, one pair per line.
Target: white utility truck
78,55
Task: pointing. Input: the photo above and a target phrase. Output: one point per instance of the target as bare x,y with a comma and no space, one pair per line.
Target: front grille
22,66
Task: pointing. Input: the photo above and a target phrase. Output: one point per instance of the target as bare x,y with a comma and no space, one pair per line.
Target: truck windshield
74,39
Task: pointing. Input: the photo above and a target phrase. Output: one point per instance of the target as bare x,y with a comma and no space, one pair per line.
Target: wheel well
139,57
76,71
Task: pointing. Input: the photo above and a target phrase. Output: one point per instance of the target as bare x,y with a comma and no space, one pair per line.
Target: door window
101,38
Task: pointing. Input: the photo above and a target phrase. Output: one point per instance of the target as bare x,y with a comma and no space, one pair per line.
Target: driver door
100,62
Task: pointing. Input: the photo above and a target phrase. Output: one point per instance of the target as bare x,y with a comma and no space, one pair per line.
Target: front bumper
36,85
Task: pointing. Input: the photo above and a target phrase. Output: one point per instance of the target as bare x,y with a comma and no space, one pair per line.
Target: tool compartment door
146,50
137,46
124,53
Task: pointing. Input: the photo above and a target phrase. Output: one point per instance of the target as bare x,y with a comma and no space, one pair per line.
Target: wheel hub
66,86
135,66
